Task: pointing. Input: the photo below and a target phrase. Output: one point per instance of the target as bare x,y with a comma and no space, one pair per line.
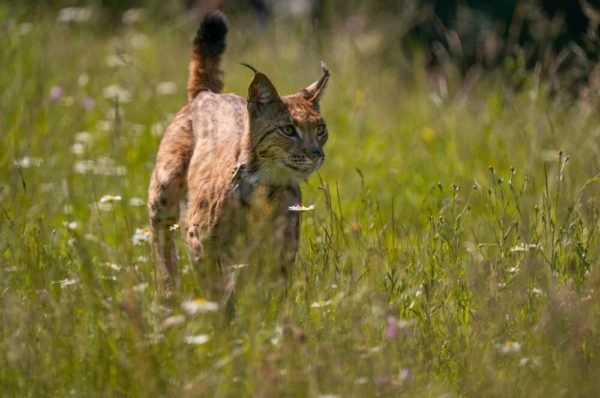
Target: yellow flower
427,134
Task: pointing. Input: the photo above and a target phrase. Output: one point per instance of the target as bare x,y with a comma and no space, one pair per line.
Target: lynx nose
315,154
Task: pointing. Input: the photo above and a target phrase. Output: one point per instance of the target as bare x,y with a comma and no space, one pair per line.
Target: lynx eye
288,131
321,130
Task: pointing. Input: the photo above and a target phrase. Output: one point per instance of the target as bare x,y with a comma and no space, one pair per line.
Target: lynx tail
209,45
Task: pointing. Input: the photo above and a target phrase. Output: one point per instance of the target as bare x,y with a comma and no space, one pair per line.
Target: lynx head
287,133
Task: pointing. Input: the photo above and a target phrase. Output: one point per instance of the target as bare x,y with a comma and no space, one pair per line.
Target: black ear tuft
252,68
315,91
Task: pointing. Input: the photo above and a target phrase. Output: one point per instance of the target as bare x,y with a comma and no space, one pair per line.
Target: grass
453,249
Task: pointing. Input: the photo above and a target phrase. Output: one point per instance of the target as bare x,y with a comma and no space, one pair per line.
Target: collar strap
243,183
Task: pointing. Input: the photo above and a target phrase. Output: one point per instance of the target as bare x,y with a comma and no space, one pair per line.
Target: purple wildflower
404,373
382,381
392,327
88,103
56,92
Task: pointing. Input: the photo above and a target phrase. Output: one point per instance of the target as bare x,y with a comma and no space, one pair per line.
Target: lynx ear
261,93
314,92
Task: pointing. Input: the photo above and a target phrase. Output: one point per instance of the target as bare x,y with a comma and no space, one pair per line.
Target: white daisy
197,339
199,305
300,208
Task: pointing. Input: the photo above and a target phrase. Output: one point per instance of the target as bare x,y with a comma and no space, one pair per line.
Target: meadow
452,250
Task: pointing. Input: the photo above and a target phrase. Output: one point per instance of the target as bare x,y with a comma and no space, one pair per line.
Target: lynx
235,164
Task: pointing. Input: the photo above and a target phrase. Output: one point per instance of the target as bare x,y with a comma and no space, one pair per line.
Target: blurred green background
453,249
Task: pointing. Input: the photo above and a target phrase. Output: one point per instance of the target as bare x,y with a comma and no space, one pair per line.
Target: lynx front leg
288,227
208,241
204,256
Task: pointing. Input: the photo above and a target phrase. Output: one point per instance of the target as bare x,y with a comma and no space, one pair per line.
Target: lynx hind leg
163,204
196,225
167,188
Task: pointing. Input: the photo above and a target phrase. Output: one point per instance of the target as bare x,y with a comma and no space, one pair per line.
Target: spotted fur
235,163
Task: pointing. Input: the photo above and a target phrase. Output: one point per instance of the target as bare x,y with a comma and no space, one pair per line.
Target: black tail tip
211,34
